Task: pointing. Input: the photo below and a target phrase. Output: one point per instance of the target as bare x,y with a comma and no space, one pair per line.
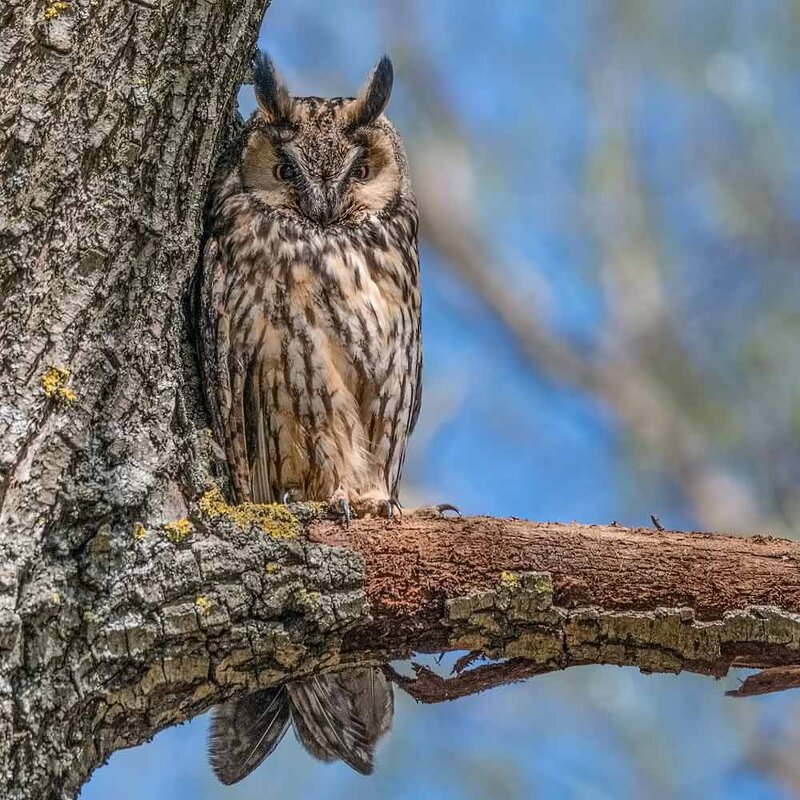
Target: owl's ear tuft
374,97
271,93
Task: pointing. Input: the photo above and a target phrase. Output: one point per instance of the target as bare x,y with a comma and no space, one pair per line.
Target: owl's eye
361,172
285,172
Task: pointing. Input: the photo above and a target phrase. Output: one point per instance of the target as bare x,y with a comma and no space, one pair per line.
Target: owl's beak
323,205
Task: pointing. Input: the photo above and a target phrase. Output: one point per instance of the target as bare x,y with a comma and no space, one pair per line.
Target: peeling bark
563,595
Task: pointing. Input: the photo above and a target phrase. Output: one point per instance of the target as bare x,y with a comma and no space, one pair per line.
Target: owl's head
334,161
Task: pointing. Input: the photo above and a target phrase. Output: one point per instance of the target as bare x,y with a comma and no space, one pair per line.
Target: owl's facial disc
336,178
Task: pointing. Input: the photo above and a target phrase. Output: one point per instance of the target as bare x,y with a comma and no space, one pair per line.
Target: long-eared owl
309,327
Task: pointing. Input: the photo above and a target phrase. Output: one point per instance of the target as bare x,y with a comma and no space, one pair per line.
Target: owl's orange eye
285,172
361,172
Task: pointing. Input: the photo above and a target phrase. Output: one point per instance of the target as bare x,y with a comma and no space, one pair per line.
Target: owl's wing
416,388
343,715
222,371
257,444
395,469
243,733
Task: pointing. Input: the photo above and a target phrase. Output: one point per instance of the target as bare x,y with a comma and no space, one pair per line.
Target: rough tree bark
131,596
111,117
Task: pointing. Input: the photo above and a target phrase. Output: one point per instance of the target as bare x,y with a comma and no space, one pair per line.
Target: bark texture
229,599
562,595
111,117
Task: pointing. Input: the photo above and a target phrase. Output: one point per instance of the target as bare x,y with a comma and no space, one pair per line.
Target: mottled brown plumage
309,320
310,302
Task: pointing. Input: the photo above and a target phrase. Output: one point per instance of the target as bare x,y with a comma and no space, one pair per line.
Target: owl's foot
378,505
364,506
339,503
374,505
431,512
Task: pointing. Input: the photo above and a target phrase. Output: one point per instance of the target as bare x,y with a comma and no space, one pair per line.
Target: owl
309,331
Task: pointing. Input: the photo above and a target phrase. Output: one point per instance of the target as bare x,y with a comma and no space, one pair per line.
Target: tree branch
572,594
200,610
229,610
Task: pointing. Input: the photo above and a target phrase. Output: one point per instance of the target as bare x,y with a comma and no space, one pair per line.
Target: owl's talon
433,512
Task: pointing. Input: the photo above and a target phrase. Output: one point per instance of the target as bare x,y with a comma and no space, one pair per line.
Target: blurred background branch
639,366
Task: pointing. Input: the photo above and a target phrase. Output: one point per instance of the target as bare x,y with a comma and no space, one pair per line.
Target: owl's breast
369,304
324,352
360,297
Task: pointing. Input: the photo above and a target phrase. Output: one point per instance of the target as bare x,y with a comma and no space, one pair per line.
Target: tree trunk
111,117
132,596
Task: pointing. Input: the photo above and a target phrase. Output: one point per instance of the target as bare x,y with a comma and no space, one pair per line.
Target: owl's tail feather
343,715
339,715
243,733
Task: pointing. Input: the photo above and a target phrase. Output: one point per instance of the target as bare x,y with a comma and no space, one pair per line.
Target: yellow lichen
303,597
139,531
273,518
271,568
54,386
54,8
56,597
204,604
178,530
509,579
